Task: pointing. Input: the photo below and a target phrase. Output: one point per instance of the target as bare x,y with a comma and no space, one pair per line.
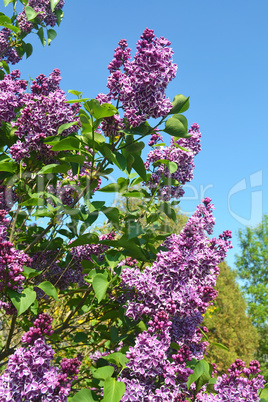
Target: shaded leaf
22,301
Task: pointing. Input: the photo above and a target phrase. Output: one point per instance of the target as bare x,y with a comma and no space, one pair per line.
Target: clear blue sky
221,51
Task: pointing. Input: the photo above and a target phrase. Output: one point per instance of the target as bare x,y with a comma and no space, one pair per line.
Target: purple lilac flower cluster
11,266
85,252
140,84
7,52
43,7
155,138
44,112
183,159
12,90
30,376
42,326
241,385
46,262
173,292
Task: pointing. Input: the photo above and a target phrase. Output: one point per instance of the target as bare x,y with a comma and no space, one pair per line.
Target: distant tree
252,265
229,324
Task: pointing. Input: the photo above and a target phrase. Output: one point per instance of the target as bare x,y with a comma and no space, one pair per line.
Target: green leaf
41,36
69,143
113,259
132,248
11,27
112,214
22,301
121,160
53,4
80,337
30,13
175,127
113,390
168,210
84,395
100,285
54,168
7,2
219,345
138,166
74,159
66,126
88,238
8,167
110,188
135,229
182,119
135,146
51,34
4,19
100,111
198,371
30,272
76,93
28,50
49,289
103,372
117,358
59,14
180,104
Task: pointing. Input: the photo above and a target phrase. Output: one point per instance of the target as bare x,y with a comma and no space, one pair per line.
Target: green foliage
229,324
252,263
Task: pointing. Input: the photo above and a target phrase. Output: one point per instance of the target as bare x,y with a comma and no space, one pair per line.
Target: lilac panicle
241,385
30,375
12,90
46,15
44,112
42,326
11,266
173,293
7,53
184,160
140,84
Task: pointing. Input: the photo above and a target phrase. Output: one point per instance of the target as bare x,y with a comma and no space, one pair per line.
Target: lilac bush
130,298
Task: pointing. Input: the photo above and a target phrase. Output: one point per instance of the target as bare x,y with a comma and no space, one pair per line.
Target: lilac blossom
183,159
173,293
140,84
30,375
12,90
85,252
42,326
155,138
43,7
44,112
241,385
11,266
7,53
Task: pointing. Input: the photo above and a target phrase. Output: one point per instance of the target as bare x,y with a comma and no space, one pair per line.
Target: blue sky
221,51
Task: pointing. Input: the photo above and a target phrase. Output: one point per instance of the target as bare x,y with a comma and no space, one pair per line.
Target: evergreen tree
229,324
